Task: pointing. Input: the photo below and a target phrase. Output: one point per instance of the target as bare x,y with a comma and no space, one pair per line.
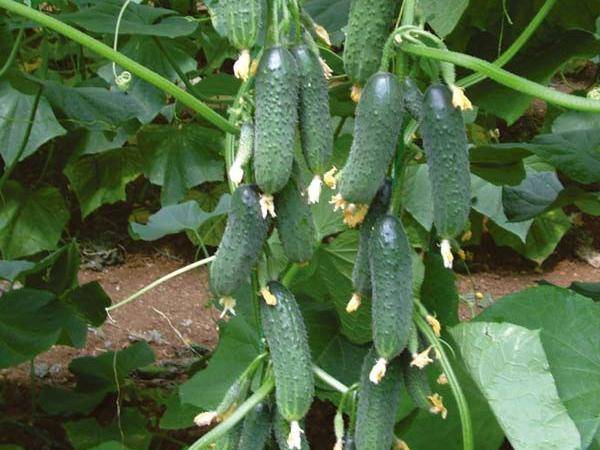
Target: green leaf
56,272
180,158
438,291
30,221
174,219
177,414
417,195
575,121
331,14
488,201
93,108
500,164
137,19
238,346
510,368
143,49
532,197
15,109
591,290
569,332
443,15
11,270
31,321
88,434
101,179
540,66
91,302
327,221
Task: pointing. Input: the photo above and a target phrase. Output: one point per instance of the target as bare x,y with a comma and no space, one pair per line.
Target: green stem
127,63
236,417
504,77
515,46
339,127
290,274
408,13
461,401
13,53
329,380
256,309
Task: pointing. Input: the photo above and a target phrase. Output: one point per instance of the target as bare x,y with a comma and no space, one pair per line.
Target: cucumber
288,345
446,146
295,223
376,129
392,280
228,441
369,24
276,117
416,382
240,20
241,244
244,153
413,98
257,428
316,133
361,272
377,404
281,429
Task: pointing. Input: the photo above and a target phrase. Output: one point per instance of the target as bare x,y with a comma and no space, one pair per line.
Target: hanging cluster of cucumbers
286,128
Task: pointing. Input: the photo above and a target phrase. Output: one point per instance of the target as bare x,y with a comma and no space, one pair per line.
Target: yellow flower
378,371
437,405
314,190
330,179
327,71
270,299
323,34
241,68
434,324
446,251
267,206
442,379
228,304
399,444
205,418
338,202
355,93
459,99
422,359
354,214
294,440
353,303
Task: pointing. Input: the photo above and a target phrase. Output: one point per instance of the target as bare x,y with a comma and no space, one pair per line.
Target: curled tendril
123,79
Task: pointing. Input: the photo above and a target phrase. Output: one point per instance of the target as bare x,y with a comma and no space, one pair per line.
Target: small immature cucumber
244,153
413,98
240,20
288,345
446,146
281,429
361,273
295,222
257,428
276,117
241,244
377,404
416,382
369,24
315,121
391,277
376,129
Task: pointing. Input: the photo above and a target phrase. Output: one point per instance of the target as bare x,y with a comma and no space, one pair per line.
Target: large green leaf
92,107
508,364
101,178
143,49
532,197
15,109
438,291
332,14
499,164
443,15
177,414
30,221
174,219
90,301
180,158
417,195
570,335
31,321
56,272
137,19
11,270
327,221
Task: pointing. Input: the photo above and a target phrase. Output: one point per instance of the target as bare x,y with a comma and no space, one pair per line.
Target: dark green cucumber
413,98
295,223
316,133
257,428
281,430
361,273
376,129
369,24
228,441
276,117
377,404
446,146
240,20
288,345
241,244
416,382
391,278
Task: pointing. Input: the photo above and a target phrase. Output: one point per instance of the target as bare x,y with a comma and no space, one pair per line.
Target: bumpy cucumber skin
229,441
286,336
241,244
369,24
416,383
257,428
376,129
361,272
377,404
275,119
316,133
246,142
391,277
446,146
243,19
413,98
295,223
281,429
